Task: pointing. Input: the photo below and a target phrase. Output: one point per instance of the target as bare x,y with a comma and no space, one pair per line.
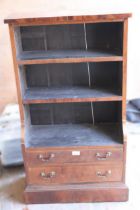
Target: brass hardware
103,157
45,158
100,174
49,175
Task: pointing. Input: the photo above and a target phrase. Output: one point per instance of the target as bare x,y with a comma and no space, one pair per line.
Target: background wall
68,7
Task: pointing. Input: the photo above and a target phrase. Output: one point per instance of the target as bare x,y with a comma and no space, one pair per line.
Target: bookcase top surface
41,18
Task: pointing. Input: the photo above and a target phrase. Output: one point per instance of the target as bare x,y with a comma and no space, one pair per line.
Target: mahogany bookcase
71,83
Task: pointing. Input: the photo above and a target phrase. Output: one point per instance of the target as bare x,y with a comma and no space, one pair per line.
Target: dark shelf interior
73,124
71,80
73,113
71,40
66,135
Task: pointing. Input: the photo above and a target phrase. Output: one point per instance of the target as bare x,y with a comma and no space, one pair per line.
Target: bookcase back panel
57,75
60,113
102,36
105,36
98,75
54,37
106,74
107,112
75,113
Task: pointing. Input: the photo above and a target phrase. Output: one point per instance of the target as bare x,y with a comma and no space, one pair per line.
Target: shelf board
66,135
67,56
69,94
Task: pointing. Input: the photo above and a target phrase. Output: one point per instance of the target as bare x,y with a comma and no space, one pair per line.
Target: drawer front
44,157
74,174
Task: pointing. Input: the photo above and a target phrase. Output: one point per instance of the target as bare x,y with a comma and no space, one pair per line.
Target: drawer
44,157
74,174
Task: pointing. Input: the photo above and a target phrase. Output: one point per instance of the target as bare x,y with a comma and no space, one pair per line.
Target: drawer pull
100,174
46,158
49,175
103,157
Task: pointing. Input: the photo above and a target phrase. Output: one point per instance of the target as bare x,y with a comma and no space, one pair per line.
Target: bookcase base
75,193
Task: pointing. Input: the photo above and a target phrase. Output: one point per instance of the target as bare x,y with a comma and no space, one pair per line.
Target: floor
12,184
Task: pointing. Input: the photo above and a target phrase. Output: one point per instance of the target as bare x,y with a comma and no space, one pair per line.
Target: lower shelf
105,192
64,135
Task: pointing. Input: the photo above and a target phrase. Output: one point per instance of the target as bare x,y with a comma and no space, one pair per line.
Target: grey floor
12,184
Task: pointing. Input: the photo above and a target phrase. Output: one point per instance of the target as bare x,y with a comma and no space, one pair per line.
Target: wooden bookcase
71,83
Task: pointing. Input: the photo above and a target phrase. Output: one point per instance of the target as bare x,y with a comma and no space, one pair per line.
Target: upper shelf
65,43
67,56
